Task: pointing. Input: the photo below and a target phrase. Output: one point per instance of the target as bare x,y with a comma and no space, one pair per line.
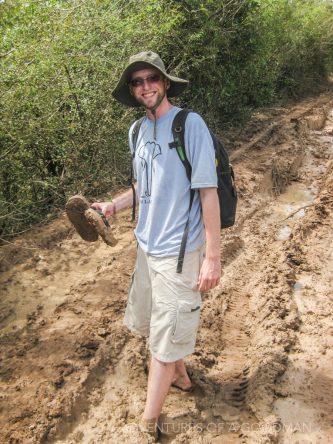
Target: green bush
61,132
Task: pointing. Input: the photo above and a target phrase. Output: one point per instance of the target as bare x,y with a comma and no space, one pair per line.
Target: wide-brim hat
144,60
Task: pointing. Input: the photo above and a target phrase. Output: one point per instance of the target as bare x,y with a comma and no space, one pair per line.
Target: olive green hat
143,60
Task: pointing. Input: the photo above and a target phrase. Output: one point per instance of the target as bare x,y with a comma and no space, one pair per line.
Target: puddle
327,139
328,132
283,233
296,196
291,206
299,422
291,410
304,300
298,287
298,295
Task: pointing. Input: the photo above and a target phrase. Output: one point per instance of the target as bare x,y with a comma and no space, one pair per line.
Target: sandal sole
103,230
76,207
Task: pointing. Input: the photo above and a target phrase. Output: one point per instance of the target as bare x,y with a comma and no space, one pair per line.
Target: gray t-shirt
163,187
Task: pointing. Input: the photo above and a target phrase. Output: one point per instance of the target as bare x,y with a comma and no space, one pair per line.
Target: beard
152,105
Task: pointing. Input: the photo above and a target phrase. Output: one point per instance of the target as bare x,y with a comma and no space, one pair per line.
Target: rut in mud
71,373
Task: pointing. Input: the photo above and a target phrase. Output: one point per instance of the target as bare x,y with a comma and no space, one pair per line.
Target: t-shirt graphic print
148,153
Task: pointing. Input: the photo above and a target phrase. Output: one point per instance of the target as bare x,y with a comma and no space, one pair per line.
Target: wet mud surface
71,373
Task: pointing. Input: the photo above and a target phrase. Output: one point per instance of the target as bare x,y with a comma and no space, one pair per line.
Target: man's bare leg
159,381
181,378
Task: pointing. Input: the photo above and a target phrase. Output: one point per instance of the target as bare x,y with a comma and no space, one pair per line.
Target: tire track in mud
278,316
304,393
89,372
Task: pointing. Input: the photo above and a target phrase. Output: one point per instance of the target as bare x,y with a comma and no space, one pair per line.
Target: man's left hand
210,274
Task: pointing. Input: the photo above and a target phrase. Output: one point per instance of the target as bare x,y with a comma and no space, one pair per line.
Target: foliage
61,133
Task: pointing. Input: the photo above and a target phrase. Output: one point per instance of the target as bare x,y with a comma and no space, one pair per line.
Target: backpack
226,190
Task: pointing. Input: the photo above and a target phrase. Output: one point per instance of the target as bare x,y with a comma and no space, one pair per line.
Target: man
164,304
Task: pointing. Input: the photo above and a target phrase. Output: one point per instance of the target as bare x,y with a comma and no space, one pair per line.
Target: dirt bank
70,373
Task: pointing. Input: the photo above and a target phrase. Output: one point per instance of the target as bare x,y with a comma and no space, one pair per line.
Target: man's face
148,87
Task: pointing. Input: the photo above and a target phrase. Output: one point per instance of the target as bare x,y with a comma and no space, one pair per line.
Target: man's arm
210,272
124,200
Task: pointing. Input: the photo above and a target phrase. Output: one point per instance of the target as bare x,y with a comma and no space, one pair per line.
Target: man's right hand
122,201
107,208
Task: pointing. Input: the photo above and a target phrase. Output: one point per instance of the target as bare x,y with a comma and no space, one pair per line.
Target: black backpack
225,176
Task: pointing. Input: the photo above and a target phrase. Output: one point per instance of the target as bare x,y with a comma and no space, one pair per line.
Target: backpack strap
178,132
135,134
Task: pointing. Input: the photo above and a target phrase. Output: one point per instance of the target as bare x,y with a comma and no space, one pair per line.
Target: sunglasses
139,81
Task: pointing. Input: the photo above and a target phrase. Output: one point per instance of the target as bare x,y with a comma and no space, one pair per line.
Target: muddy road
70,372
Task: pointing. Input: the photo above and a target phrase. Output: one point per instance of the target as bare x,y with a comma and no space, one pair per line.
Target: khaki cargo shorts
165,305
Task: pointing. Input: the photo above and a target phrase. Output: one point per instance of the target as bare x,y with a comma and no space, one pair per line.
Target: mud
70,372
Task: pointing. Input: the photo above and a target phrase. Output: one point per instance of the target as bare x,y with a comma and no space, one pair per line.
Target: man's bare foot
183,383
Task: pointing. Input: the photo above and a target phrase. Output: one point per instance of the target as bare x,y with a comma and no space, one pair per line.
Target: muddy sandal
101,225
88,222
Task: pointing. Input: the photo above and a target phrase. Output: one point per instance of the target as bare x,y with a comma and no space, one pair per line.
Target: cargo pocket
186,323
